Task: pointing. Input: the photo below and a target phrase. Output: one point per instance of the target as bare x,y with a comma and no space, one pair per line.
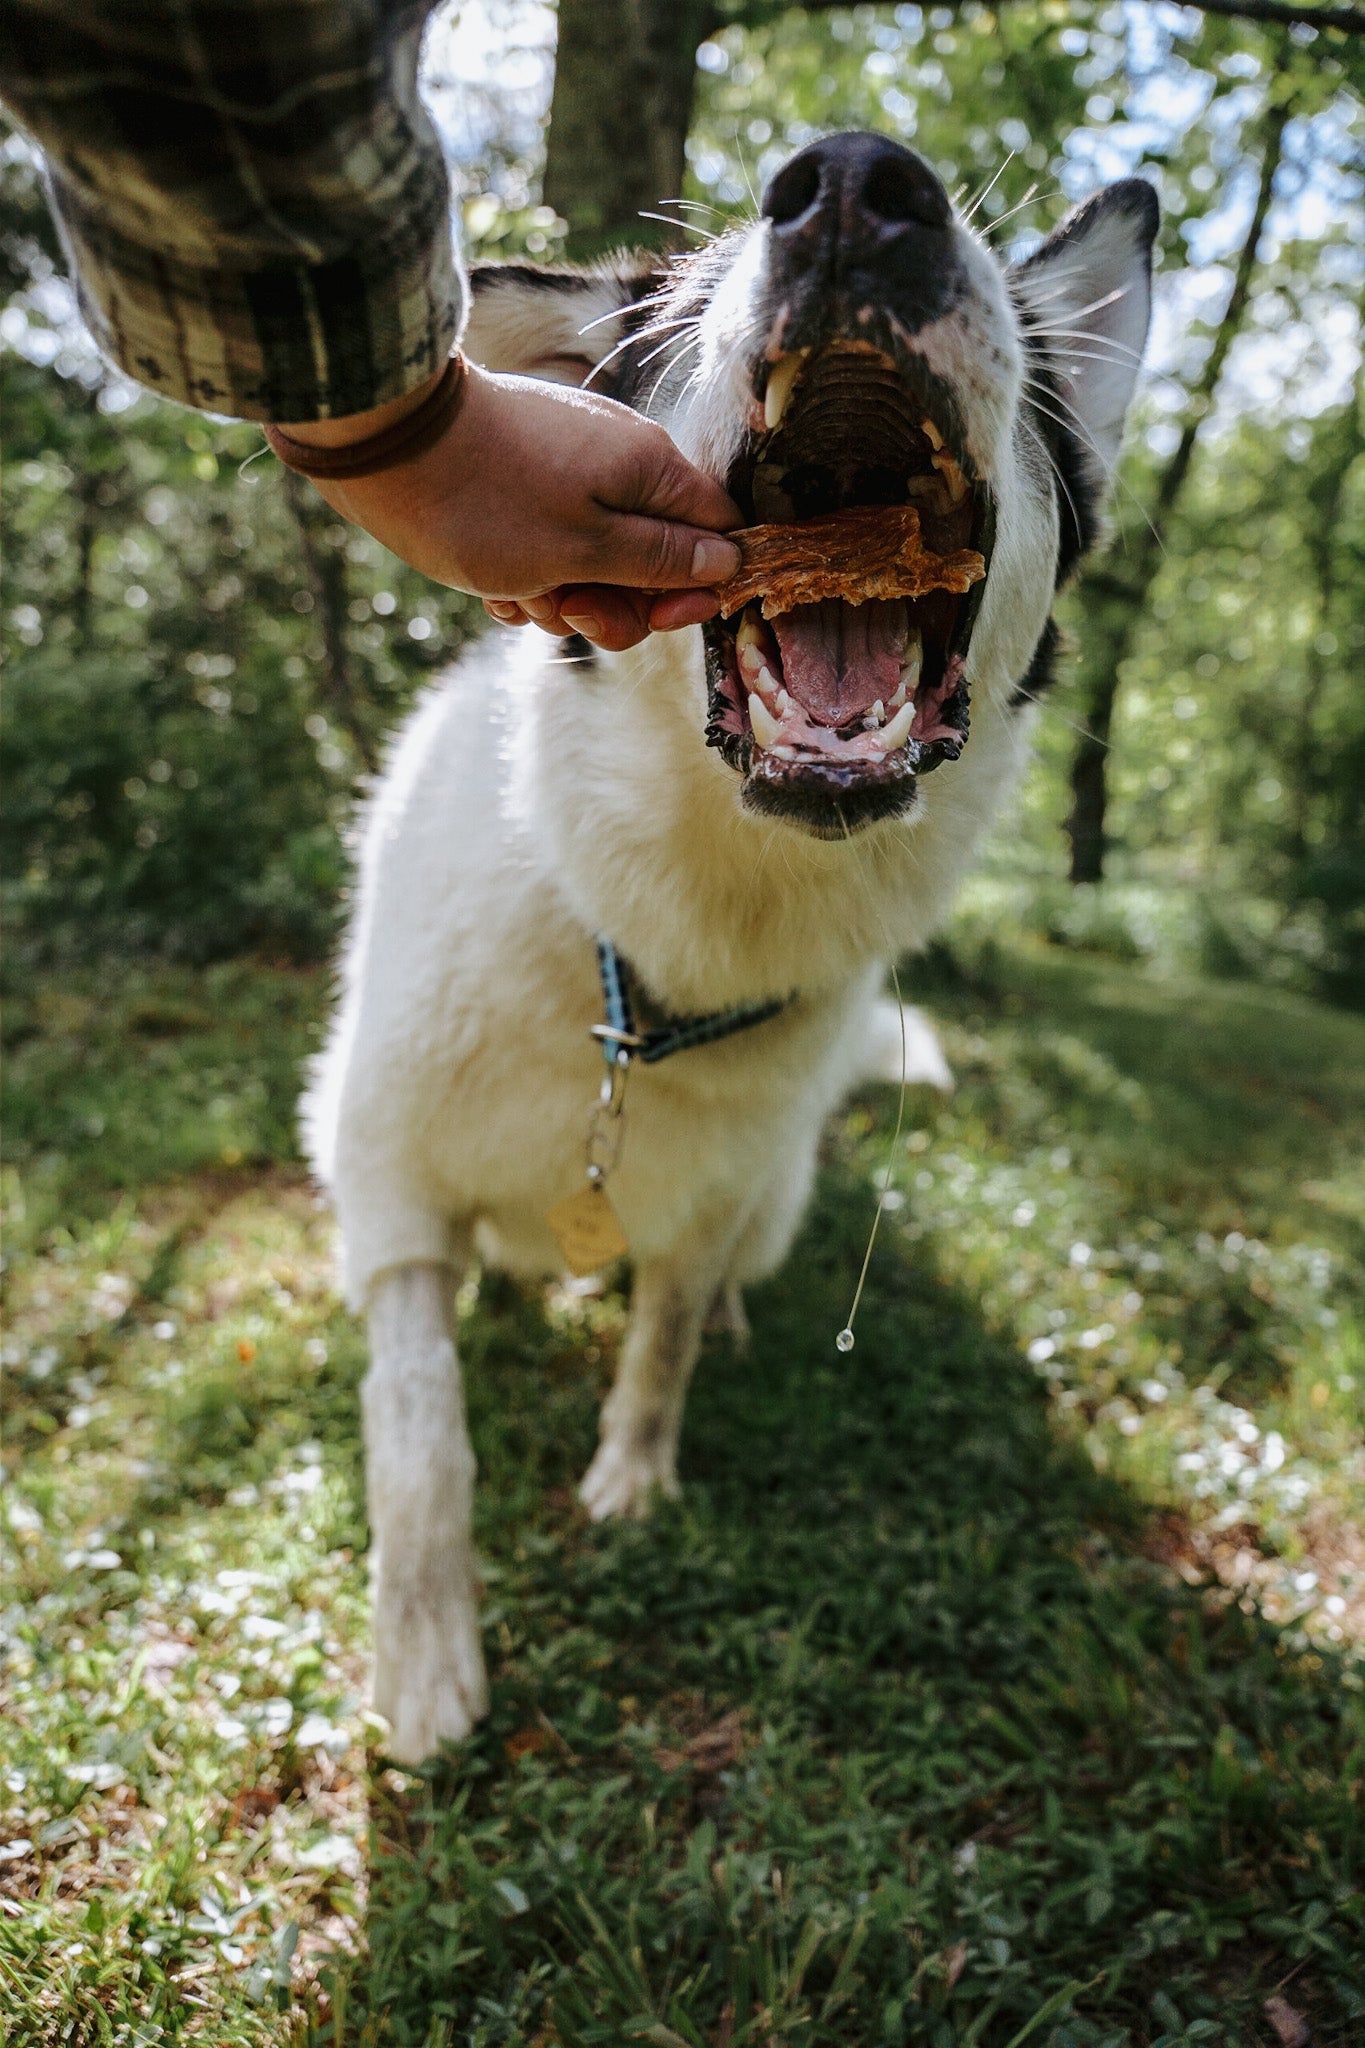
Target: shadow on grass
887,1732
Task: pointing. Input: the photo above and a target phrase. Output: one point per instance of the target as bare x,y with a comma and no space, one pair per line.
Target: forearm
255,207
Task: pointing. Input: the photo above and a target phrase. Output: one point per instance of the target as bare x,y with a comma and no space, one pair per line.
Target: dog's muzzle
832,710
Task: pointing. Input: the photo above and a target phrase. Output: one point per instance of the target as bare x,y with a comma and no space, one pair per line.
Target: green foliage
901,1727
180,767
190,701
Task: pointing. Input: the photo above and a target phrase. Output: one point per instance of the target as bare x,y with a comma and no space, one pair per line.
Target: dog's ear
1086,299
548,322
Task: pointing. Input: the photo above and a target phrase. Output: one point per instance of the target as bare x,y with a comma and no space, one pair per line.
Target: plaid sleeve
252,199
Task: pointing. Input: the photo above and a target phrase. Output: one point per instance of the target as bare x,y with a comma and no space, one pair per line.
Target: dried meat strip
868,551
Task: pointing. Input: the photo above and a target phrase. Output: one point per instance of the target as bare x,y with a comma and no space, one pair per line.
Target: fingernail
584,623
538,608
715,560
505,612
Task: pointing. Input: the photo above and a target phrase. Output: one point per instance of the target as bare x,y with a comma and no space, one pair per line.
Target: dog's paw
625,1476
429,1679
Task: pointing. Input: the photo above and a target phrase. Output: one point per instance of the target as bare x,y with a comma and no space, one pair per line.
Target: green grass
1001,1681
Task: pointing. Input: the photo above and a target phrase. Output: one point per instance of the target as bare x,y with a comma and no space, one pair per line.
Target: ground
1002,1680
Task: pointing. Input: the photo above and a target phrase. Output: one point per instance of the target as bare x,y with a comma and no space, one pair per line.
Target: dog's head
860,345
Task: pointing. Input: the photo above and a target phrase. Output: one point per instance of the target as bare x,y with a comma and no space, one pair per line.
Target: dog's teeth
876,716
767,682
930,432
952,476
912,661
898,732
784,703
749,648
781,378
767,731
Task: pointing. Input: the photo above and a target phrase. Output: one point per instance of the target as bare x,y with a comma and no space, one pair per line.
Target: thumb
655,554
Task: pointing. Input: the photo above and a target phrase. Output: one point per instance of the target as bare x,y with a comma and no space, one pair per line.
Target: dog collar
621,1042
586,1226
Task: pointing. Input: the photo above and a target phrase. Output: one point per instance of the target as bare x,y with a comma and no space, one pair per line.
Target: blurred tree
1116,591
626,75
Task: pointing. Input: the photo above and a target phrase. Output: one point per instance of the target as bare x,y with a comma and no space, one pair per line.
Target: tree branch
1348,21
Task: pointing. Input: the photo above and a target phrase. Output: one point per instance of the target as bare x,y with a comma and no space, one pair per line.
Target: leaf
1052,2005
1290,2026
517,1901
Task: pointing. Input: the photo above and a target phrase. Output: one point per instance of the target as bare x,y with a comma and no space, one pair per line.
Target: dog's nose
871,182
866,220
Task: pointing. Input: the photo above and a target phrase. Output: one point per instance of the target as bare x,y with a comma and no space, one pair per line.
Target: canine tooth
749,647
930,432
952,476
767,731
781,378
912,660
896,734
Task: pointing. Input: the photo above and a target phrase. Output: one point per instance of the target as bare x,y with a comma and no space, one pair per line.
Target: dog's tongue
839,659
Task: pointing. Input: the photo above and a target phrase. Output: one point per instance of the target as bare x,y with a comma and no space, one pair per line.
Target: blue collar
622,1042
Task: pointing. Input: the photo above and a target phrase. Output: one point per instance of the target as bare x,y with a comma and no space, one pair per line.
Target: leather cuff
404,441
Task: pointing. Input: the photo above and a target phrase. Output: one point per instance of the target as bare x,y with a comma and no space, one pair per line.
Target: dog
754,818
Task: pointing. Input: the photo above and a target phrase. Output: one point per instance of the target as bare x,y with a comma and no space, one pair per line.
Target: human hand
552,504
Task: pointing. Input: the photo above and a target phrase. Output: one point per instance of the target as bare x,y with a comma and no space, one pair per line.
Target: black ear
556,323
1086,301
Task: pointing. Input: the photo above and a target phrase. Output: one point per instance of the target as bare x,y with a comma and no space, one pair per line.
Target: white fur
528,805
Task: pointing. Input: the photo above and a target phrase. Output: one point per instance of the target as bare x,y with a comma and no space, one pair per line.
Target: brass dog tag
588,1231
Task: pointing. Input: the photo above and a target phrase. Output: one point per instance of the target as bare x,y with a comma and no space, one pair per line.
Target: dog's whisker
1086,334
1033,197
1072,421
633,340
686,227
984,194
1040,442
683,349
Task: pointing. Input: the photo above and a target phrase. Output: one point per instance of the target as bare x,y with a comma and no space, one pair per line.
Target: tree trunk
1339,442
1116,593
625,73
326,567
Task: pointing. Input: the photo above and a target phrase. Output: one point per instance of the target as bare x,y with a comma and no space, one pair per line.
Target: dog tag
588,1231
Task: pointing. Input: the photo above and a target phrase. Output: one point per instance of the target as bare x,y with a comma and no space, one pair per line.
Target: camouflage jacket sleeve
251,196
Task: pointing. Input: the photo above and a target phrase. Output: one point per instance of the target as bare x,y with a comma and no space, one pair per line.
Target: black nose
868,180
859,227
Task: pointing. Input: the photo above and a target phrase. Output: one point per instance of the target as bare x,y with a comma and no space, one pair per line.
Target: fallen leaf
1291,2026
526,1742
710,1750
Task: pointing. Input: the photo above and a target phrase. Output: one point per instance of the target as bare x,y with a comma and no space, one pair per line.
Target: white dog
744,812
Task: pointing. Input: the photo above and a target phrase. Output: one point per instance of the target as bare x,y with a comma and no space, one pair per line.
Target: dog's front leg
642,1415
429,1678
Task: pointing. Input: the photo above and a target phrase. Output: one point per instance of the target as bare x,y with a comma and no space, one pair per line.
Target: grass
999,1682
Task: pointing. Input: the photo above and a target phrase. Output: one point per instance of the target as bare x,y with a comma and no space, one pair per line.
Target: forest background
1043,1720
202,665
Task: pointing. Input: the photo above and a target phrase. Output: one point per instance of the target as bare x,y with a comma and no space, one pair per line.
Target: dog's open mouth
832,709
